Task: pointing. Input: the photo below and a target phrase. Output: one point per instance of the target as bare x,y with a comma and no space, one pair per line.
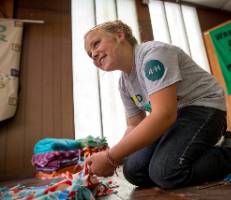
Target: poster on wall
10,50
221,39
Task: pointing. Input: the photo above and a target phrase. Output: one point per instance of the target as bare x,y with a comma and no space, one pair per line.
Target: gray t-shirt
158,65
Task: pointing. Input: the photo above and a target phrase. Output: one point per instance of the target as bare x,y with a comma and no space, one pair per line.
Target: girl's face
104,49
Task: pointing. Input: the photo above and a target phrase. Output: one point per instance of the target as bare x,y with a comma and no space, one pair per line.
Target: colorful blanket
79,186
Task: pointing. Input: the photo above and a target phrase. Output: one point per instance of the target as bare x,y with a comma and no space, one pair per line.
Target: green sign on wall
221,39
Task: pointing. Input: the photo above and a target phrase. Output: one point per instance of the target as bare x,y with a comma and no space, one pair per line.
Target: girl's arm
163,115
133,121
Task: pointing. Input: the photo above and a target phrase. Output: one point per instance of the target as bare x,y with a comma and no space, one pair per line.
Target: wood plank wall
210,18
45,98
6,8
144,21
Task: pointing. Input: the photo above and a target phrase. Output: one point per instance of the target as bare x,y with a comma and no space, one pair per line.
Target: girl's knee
127,170
135,176
171,178
130,174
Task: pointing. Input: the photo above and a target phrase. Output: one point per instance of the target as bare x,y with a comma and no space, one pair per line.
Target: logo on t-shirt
154,70
148,107
137,99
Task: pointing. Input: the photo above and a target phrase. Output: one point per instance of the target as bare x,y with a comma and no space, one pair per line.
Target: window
97,105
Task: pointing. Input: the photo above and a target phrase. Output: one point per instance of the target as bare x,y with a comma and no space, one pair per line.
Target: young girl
174,145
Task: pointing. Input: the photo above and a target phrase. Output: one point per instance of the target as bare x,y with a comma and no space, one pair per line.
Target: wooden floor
210,191
218,190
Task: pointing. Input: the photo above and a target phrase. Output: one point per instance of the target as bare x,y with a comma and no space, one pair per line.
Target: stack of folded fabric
63,158
92,145
53,156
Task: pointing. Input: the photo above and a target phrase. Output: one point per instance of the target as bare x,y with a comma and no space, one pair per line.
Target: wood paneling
45,99
209,18
144,21
6,8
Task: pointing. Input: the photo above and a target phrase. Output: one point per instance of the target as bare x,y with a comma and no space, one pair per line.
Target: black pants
185,154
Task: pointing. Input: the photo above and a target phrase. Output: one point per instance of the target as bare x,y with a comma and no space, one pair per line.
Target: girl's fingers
89,160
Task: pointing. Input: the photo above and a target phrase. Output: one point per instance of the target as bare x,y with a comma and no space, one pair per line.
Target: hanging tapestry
10,50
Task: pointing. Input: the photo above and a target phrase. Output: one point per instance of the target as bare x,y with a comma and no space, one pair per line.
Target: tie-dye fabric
79,186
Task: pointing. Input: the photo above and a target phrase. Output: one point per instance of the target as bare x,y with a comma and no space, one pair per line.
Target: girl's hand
99,164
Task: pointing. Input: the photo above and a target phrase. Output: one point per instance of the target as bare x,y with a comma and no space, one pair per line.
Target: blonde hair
115,27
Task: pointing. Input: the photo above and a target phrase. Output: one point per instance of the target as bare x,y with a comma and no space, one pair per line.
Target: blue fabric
228,178
83,194
56,144
186,154
63,195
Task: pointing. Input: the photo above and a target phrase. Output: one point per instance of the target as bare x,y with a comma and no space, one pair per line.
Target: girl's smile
109,51
102,48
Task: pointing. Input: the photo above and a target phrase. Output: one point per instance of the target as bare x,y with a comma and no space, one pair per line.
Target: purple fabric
42,160
57,164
